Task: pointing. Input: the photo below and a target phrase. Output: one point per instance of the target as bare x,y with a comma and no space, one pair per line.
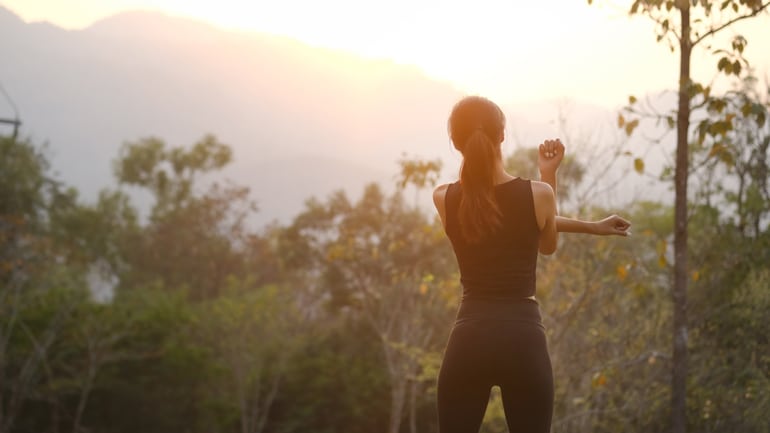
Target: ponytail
476,127
479,214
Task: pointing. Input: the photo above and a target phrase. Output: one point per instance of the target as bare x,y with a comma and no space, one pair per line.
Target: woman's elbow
547,249
547,252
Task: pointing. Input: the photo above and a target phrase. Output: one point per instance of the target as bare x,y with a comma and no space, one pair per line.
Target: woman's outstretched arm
550,155
612,225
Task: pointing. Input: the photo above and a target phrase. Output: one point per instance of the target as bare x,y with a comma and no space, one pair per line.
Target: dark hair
476,128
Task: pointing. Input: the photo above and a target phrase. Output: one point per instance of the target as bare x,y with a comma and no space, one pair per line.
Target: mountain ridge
140,74
275,100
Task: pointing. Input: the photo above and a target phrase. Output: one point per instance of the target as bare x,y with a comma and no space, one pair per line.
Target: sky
511,51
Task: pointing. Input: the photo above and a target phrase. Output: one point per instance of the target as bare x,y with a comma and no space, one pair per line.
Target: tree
194,238
698,22
37,292
100,336
602,306
733,167
388,264
250,336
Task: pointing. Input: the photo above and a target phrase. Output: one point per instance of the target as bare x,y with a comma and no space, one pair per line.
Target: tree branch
729,23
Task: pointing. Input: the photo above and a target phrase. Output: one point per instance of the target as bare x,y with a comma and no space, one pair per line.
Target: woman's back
502,265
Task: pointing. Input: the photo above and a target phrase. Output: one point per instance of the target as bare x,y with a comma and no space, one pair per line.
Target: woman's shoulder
541,188
441,188
439,193
542,192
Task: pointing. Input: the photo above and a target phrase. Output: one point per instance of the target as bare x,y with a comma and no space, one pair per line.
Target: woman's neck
501,176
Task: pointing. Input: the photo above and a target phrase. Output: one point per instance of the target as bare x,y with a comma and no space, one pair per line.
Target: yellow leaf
423,288
598,380
622,272
335,252
639,165
695,275
630,126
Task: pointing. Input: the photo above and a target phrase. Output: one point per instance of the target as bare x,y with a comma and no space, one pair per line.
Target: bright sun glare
489,46
516,51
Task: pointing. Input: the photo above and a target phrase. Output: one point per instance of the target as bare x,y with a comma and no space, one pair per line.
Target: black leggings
503,344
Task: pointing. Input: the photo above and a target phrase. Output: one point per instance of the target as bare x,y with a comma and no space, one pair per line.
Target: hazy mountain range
302,120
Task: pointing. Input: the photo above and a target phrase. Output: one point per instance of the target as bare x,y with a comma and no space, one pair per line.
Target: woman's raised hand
612,225
549,156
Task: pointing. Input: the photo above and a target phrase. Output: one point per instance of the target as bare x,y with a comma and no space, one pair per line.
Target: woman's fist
549,155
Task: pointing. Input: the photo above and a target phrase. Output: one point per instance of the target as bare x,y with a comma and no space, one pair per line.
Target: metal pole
15,121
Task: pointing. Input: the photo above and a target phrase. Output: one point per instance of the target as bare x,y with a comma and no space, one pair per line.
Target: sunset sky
512,51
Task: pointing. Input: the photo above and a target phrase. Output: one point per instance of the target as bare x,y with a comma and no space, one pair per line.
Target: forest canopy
192,320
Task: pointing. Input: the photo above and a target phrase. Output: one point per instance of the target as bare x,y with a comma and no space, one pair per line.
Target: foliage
385,262
193,240
336,321
685,25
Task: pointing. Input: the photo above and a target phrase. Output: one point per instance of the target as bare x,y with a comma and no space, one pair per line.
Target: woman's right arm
550,155
545,214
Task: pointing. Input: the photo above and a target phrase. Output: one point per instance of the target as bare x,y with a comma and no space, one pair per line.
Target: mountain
303,121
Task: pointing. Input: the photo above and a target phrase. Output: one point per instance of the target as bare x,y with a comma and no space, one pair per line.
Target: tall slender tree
699,21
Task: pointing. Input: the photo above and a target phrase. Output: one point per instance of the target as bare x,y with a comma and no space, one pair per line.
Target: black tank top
503,265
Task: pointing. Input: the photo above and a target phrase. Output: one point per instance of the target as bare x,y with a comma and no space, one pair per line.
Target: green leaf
630,126
739,43
746,109
716,149
667,173
761,118
736,67
717,105
724,62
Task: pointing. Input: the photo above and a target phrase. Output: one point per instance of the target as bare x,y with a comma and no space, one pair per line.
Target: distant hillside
279,103
302,120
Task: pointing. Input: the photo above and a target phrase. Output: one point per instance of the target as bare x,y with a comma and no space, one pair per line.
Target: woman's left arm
612,225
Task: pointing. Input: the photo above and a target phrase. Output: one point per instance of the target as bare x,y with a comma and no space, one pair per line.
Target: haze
514,52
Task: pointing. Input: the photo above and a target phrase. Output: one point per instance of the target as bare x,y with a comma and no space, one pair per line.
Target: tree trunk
397,400
86,391
81,408
55,417
679,293
413,389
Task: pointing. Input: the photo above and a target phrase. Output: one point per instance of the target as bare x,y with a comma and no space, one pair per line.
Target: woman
497,224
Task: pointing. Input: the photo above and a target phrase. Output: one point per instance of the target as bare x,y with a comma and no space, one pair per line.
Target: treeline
189,320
